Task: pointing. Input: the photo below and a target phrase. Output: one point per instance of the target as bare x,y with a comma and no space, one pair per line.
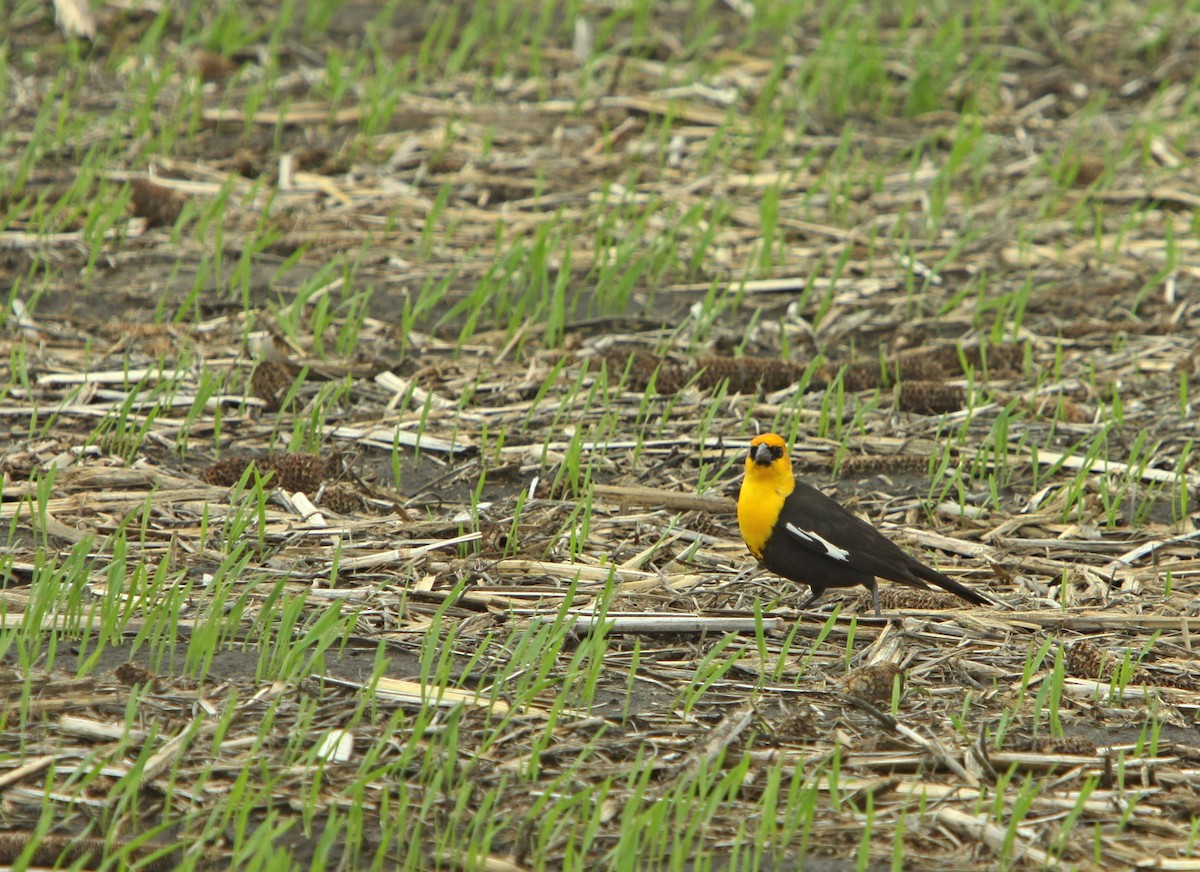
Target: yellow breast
759,504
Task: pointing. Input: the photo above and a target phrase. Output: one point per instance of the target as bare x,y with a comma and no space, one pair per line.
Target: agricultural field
378,380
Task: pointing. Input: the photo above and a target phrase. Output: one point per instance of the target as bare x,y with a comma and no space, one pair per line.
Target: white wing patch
831,550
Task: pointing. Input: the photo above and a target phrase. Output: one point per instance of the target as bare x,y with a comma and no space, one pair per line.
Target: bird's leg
813,597
875,598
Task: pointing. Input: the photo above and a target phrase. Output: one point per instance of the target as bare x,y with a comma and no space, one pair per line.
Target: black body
868,553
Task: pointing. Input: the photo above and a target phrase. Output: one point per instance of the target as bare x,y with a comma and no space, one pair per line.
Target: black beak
763,455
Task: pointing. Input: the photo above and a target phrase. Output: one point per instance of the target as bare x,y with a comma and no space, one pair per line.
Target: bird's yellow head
768,463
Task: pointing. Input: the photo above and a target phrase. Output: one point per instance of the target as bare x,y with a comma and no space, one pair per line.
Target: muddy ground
1004,283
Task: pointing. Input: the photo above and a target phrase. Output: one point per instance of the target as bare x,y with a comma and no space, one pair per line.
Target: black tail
950,585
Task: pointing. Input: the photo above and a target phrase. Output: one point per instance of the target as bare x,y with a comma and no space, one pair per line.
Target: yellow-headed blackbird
801,534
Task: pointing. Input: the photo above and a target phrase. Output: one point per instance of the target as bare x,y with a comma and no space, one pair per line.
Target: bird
801,534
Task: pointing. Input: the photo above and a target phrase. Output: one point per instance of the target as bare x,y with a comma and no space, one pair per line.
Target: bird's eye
776,452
